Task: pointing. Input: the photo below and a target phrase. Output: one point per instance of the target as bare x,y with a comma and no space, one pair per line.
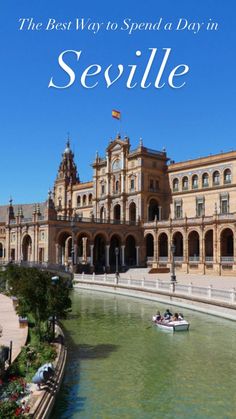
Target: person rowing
167,315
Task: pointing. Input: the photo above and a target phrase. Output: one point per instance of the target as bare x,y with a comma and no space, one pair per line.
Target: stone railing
81,219
190,291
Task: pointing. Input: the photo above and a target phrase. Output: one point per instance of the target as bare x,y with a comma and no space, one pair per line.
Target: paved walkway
11,330
219,282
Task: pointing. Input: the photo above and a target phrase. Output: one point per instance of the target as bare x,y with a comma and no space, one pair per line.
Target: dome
67,149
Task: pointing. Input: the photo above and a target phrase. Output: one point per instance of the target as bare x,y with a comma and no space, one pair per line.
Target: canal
120,366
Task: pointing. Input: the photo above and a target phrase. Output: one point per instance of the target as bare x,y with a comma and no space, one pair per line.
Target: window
175,185
78,201
132,185
216,178
178,209
224,203
195,182
151,184
200,206
84,200
117,186
116,165
227,176
102,189
205,180
90,199
185,183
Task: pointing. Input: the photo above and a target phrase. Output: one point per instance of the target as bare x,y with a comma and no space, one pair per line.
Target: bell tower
66,178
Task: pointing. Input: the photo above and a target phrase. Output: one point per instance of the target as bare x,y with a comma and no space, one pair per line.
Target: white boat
172,325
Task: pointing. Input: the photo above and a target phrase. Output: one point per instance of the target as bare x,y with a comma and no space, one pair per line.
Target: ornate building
138,204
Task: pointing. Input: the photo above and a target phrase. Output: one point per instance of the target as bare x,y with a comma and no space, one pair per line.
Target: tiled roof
28,210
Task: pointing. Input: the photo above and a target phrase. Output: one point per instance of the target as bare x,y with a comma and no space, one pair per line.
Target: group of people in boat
168,316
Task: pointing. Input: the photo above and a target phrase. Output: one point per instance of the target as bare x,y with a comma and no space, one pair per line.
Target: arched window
90,199
185,183
117,186
103,190
175,185
117,212
227,176
195,182
132,184
132,212
205,180
216,178
84,200
78,201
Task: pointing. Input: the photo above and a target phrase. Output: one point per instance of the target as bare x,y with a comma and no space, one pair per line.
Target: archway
83,249
117,212
64,248
149,245
1,251
227,243
209,245
114,242
132,212
153,210
27,248
130,251
178,242
99,252
163,246
193,245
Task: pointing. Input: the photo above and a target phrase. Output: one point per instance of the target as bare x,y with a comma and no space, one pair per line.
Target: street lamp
173,276
117,268
54,280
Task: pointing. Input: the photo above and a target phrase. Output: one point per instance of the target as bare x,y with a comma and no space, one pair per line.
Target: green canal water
120,366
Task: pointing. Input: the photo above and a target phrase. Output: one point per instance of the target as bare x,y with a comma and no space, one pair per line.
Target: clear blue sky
193,121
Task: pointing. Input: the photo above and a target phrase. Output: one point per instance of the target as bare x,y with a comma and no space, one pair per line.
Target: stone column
137,255
91,254
84,249
75,253
122,255
57,253
107,256
63,255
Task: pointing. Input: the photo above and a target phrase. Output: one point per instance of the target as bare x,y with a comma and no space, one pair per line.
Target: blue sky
196,120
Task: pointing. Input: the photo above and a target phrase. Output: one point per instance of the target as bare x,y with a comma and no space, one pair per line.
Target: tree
37,295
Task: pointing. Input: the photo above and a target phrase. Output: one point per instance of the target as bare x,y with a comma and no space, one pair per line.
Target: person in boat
175,317
167,314
181,316
158,316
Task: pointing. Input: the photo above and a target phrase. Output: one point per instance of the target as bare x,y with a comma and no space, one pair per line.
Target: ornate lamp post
117,267
54,281
173,276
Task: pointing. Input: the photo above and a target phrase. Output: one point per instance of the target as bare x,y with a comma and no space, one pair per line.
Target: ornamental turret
67,169
66,178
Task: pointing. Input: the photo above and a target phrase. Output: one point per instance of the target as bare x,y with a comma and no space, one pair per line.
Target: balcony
227,260
194,259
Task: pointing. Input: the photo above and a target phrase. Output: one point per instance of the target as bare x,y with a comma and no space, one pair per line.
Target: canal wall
42,401
203,305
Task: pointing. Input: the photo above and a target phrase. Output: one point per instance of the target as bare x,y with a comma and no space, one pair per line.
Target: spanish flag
116,114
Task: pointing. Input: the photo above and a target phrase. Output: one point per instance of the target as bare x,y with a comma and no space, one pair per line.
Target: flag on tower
116,114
